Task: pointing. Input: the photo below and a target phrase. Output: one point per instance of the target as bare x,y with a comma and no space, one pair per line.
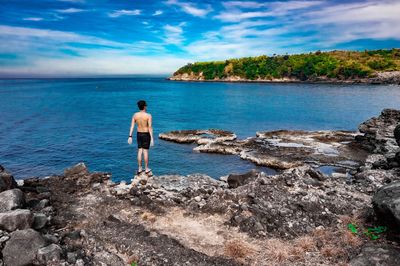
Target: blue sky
100,37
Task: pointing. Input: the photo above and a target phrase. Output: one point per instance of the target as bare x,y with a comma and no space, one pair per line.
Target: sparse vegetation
238,250
335,64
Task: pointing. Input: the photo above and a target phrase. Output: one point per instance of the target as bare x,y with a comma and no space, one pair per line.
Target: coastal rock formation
386,204
299,216
379,133
281,149
198,136
7,181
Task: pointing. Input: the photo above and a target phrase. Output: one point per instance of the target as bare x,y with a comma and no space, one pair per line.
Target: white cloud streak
33,19
157,13
190,8
124,12
70,10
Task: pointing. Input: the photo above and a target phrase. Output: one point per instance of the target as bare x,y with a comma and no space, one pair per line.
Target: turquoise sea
49,124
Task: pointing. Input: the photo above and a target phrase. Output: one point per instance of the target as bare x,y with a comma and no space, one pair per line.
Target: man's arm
151,130
131,130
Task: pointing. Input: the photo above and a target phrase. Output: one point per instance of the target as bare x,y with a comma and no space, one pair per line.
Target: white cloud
158,12
70,10
174,34
33,19
234,11
190,8
124,12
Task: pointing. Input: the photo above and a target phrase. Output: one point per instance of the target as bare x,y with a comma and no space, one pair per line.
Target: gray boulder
105,258
7,181
386,203
236,180
39,221
377,256
22,247
16,219
48,254
11,199
78,169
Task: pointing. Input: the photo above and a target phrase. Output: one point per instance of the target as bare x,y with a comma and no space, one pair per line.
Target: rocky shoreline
392,77
299,216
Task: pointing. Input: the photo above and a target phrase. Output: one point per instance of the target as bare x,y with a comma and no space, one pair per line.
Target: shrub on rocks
22,247
7,181
11,199
16,219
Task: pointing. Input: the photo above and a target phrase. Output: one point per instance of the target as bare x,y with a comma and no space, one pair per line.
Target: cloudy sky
112,37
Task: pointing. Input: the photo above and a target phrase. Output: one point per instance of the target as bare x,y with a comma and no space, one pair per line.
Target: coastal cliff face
300,216
376,67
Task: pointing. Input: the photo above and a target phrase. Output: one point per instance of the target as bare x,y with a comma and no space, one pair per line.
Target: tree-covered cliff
341,65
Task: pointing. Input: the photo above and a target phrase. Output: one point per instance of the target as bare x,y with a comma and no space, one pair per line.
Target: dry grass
306,243
278,251
147,216
332,251
238,250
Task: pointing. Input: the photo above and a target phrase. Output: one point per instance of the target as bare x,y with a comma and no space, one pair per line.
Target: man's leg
139,159
146,158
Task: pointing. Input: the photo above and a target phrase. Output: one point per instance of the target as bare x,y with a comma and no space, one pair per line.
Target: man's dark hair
141,104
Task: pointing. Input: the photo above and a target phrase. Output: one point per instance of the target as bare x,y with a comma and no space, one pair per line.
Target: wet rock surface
281,149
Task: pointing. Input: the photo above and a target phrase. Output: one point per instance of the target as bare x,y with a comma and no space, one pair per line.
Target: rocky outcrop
7,181
49,254
374,255
386,204
379,133
280,149
236,180
22,247
198,136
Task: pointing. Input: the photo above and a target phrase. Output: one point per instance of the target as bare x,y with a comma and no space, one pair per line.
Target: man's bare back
143,121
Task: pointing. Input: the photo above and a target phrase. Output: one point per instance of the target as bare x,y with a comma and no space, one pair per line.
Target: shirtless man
144,136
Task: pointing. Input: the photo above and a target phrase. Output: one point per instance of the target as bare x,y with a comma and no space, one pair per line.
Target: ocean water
49,124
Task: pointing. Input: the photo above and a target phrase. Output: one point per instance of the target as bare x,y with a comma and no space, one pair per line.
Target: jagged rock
374,255
379,132
11,199
16,219
198,136
316,174
396,133
386,203
281,149
22,247
236,180
78,169
7,181
107,259
51,253
39,221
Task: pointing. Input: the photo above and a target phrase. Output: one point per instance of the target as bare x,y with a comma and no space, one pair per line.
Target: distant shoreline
382,78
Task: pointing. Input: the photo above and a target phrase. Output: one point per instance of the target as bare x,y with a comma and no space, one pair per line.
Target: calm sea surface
49,124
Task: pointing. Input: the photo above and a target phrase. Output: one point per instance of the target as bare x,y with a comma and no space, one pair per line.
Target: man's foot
148,173
139,171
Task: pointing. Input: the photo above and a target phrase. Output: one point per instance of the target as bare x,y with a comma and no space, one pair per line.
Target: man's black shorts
143,140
